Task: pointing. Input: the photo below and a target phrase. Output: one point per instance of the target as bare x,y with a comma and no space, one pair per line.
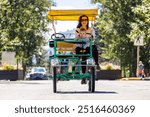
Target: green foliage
101,1
108,67
22,25
120,22
8,67
142,24
142,27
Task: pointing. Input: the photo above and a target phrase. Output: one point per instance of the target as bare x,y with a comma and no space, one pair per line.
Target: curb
135,78
131,78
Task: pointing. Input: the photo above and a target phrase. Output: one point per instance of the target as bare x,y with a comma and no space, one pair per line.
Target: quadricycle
65,63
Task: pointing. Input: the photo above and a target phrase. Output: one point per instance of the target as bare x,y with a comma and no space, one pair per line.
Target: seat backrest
65,47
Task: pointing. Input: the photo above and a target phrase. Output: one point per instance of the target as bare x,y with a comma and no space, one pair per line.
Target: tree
115,27
142,26
22,25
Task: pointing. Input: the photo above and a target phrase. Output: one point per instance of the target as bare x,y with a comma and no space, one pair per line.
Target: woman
84,24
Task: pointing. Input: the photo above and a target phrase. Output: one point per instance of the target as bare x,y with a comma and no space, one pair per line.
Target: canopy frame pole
53,26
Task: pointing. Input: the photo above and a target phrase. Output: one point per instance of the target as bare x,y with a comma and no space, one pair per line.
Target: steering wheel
57,36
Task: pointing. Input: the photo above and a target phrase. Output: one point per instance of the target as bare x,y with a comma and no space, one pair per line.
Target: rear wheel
54,80
92,80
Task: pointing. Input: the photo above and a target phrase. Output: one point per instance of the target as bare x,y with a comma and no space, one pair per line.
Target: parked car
37,73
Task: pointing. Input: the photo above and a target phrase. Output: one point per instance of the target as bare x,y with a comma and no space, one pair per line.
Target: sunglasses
84,20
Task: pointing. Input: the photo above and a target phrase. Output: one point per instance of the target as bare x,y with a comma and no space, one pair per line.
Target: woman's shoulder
90,30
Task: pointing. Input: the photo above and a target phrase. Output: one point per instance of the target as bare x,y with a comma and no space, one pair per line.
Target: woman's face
84,21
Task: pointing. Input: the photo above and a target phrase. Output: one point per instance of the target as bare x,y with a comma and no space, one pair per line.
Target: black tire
92,80
89,85
54,80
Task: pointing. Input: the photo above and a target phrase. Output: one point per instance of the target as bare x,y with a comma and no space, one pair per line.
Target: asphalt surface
73,90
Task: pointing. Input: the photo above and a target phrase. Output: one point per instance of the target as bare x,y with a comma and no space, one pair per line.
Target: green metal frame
76,73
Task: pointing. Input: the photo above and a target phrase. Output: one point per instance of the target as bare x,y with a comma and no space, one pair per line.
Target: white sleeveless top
91,32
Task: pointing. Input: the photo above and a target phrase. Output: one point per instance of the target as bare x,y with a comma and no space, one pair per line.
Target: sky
65,25
73,3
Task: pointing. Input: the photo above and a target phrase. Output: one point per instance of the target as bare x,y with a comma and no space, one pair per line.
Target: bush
108,67
7,67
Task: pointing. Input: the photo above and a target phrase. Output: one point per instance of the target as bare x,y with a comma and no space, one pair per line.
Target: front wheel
92,80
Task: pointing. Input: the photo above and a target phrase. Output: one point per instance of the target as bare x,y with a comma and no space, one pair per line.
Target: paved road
73,90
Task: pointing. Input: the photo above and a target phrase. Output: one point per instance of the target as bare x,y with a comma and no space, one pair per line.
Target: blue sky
73,3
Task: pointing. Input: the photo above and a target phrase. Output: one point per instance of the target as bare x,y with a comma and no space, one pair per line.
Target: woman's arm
90,33
93,33
77,33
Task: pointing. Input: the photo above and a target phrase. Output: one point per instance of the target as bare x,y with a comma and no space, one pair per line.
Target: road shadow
86,92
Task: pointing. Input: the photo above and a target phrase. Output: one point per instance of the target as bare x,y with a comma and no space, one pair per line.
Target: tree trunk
24,67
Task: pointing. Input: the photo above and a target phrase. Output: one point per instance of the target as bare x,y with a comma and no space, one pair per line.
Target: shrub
108,67
7,67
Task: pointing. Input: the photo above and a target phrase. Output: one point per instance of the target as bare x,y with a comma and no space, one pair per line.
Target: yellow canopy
72,14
